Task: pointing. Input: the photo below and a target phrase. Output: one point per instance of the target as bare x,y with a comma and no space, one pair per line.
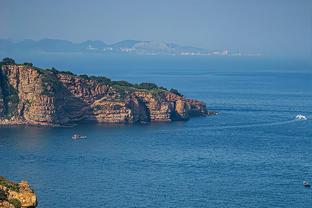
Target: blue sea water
253,154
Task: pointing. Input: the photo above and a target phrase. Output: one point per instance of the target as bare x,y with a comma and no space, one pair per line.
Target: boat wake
207,127
301,117
256,125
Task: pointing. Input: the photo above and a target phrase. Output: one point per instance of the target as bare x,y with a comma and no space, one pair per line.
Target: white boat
77,136
301,117
306,184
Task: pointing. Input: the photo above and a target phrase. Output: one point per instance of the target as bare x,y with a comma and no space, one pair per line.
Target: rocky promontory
48,97
16,195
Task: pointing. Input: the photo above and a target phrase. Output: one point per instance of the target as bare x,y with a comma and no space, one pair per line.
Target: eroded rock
33,96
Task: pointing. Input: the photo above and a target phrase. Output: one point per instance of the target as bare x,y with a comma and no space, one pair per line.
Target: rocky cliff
33,96
16,195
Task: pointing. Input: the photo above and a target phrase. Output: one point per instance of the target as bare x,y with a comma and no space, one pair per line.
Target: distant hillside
97,46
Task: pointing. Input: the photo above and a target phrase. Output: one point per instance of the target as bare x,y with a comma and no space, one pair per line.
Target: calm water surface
253,154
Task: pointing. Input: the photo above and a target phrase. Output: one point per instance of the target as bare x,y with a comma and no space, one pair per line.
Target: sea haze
252,154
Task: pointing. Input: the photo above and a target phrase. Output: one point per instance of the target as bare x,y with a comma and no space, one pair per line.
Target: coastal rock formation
13,195
33,96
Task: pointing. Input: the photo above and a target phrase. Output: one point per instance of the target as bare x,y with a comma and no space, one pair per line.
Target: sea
253,154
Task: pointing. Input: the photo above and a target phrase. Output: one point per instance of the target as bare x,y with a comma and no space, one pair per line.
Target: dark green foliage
84,76
28,64
174,91
50,83
102,80
2,195
10,97
16,203
67,72
53,70
157,90
163,88
7,61
9,184
122,90
147,86
122,83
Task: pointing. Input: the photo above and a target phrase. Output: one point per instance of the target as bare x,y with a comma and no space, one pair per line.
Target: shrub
16,203
10,185
2,195
84,76
147,86
28,64
53,70
174,91
122,83
8,61
67,72
102,80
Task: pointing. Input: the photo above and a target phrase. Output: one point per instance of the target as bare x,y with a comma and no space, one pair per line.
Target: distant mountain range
97,46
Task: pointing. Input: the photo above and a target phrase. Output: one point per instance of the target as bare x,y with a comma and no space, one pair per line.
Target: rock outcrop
13,195
33,96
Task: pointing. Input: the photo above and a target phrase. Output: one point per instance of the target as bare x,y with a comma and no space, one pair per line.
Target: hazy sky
272,27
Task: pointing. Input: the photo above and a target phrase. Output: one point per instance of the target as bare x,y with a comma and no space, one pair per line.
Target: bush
8,61
67,72
102,80
122,83
147,86
2,195
16,203
10,185
53,70
28,64
174,91
84,76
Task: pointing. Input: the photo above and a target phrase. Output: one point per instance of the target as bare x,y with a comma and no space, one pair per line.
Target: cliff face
33,96
14,195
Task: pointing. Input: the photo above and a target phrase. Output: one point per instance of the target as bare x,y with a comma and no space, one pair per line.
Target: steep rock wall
29,95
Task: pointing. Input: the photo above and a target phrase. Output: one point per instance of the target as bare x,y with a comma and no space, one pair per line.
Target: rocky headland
16,195
48,97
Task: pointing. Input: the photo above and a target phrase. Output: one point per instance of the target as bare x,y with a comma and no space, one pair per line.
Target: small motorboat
77,136
301,117
306,184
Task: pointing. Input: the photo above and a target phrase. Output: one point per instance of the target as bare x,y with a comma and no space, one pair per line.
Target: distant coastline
133,47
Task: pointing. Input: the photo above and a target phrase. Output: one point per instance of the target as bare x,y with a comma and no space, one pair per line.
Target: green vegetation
16,203
28,64
174,91
147,86
52,84
9,96
66,72
101,79
123,85
53,70
56,71
2,195
84,76
7,61
9,184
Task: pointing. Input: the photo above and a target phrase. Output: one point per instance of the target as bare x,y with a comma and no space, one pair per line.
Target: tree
84,76
174,91
8,61
148,86
17,203
2,195
28,64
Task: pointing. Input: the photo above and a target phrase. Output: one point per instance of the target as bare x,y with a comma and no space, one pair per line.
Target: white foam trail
256,125
206,127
